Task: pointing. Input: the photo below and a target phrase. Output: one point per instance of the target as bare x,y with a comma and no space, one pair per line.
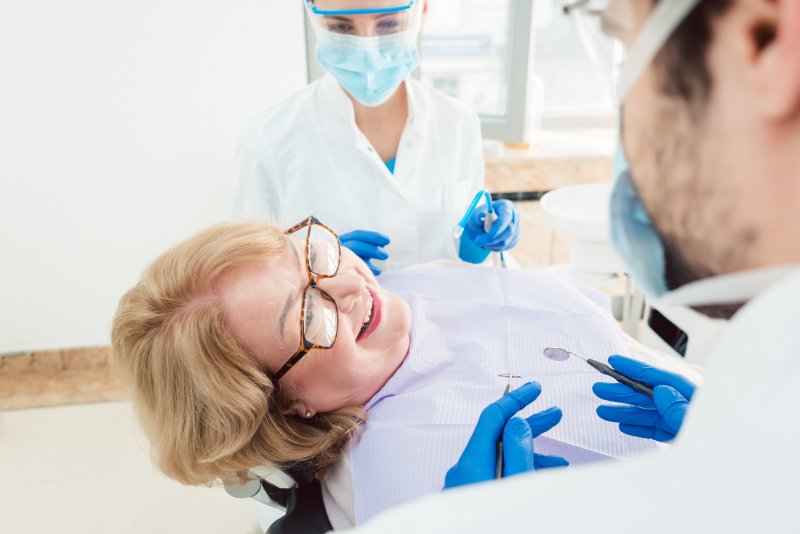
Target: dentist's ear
773,44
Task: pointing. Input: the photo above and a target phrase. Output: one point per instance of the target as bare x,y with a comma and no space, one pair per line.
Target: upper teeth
369,310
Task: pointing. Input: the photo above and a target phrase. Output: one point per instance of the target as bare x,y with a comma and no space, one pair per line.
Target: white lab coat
306,156
734,468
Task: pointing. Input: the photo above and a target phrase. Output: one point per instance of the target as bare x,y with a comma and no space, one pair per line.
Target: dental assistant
387,161
704,211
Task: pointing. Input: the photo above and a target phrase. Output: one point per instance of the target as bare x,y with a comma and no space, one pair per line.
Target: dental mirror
557,355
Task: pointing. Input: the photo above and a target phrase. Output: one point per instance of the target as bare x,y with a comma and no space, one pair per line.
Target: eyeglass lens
321,319
323,251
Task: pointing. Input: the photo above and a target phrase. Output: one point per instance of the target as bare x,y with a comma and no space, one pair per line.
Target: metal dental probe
561,355
498,469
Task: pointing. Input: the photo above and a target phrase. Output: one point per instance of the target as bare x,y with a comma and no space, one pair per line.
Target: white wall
118,127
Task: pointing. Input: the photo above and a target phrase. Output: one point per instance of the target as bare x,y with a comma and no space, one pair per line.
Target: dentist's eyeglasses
319,316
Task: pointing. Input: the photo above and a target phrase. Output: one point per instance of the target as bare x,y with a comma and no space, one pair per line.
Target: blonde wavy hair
208,409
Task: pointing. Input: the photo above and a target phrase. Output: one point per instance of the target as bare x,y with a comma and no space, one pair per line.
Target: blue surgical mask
369,68
632,233
638,244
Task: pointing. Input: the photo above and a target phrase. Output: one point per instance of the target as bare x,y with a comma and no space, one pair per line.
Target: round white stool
581,212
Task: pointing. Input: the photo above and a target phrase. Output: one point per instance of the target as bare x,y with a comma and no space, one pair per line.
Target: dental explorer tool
560,355
498,468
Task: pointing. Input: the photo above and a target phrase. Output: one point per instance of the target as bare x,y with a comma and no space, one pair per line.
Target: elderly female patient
247,345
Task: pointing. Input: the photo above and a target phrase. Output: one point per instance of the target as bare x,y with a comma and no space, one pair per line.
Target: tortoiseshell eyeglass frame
305,345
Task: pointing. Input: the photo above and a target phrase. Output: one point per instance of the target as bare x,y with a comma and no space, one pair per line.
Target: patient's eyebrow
289,299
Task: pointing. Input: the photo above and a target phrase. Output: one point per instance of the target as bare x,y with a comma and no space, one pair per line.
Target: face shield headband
665,19
375,19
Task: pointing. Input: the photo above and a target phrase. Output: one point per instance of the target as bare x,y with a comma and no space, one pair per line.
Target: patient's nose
346,288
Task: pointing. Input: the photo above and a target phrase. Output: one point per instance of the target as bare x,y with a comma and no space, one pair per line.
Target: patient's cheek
403,311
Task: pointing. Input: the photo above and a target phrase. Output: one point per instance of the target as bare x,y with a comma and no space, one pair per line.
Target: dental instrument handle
498,469
622,379
498,466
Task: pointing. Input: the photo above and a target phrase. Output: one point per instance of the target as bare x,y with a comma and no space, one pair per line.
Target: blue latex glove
477,462
659,418
504,233
367,245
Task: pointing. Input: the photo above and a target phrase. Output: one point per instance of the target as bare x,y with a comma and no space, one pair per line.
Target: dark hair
682,66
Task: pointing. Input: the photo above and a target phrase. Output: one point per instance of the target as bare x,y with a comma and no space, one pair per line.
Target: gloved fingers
504,241
505,217
671,405
542,461
615,392
493,419
366,236
375,270
475,222
647,432
517,447
506,406
514,241
503,228
451,479
545,420
365,250
652,376
504,246
644,432
630,415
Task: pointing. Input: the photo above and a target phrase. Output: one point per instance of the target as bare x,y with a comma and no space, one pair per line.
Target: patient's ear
300,409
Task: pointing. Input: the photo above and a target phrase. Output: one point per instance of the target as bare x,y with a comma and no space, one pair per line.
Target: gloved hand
367,245
659,418
504,233
477,462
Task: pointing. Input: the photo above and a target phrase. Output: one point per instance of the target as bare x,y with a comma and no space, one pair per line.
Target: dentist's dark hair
682,66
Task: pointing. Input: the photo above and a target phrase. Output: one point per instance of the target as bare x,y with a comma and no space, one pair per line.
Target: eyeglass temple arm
288,365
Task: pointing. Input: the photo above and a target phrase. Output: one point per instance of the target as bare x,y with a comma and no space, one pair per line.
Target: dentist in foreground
706,212
385,160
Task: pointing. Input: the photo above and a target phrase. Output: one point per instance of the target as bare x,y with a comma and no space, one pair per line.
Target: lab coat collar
337,100
418,116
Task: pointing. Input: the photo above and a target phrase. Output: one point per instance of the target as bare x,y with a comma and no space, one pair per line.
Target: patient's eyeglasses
319,316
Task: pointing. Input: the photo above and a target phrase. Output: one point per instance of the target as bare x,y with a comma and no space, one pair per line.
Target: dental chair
294,491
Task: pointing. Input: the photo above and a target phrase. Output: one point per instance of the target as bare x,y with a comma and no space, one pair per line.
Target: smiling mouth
372,319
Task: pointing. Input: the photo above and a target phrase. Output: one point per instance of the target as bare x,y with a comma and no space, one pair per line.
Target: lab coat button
409,144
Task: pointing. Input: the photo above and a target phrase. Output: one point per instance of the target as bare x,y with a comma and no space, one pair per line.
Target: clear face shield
601,19
370,47
373,18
